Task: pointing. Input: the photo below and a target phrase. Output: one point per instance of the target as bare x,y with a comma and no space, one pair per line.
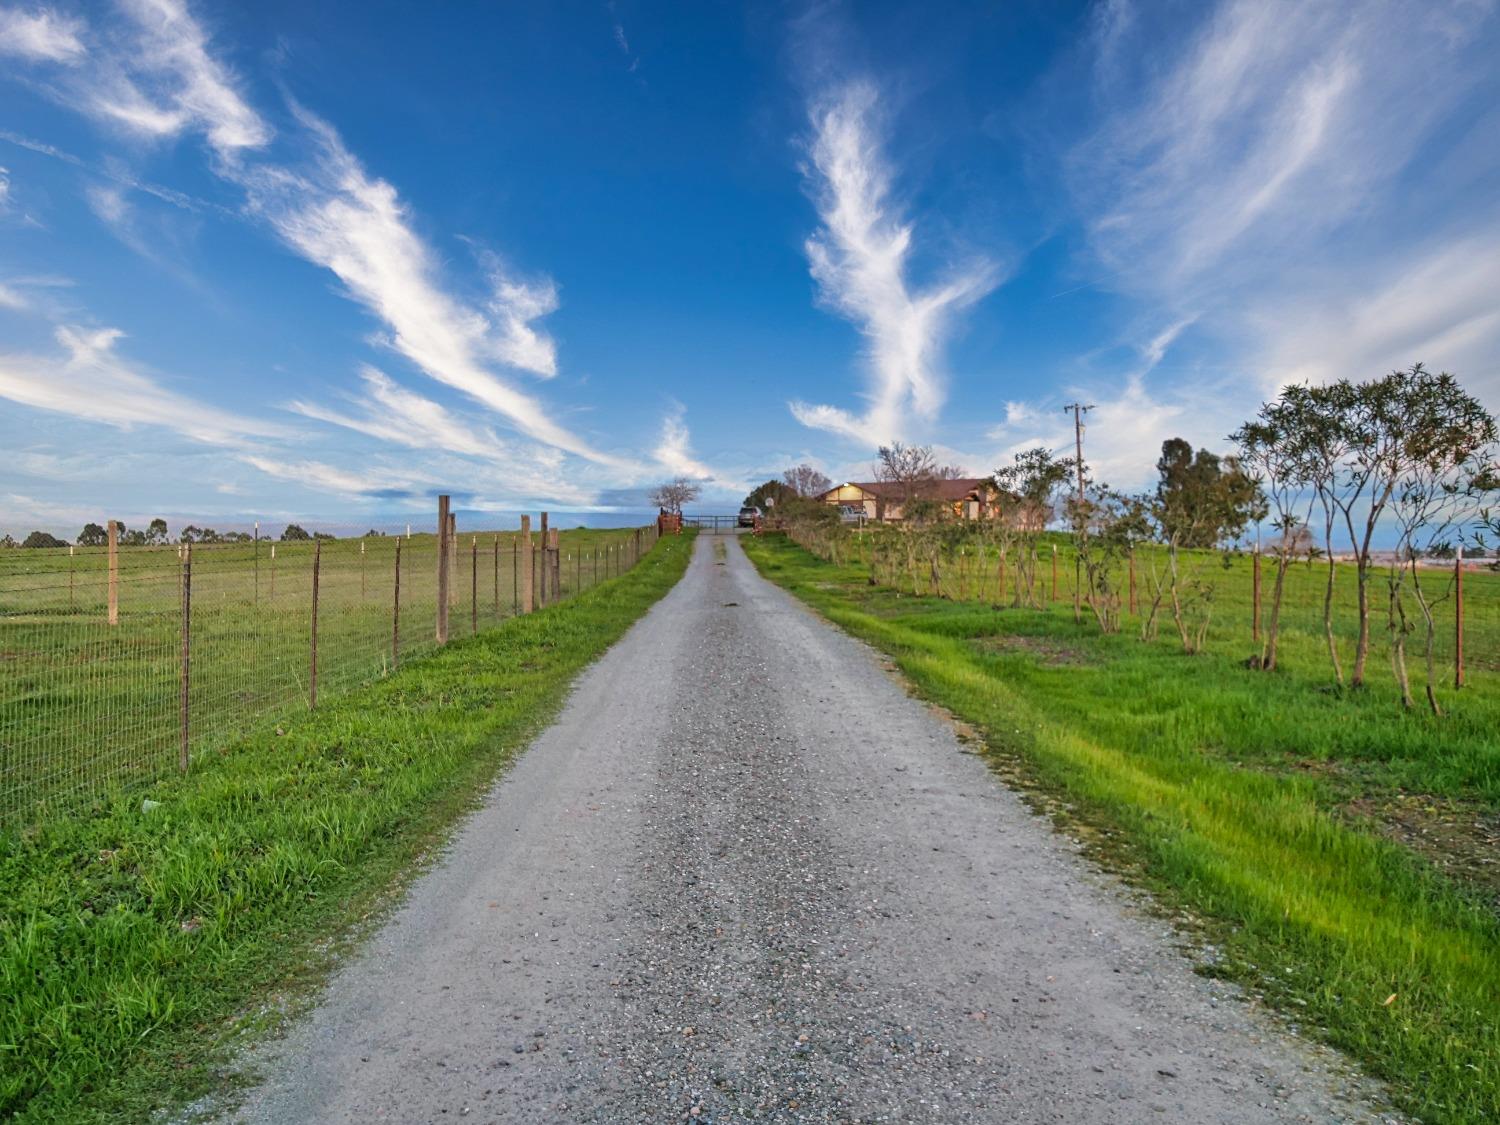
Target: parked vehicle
748,516
849,513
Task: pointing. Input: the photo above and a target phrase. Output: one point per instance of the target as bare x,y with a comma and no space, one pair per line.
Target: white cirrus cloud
40,35
392,413
860,258
91,381
674,452
167,81
337,216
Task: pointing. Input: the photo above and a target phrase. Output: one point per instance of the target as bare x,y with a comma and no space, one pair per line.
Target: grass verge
1366,944
137,942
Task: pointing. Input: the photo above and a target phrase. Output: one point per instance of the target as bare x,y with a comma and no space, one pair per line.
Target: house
967,498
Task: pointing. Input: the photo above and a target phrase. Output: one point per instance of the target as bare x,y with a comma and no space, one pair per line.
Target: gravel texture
747,877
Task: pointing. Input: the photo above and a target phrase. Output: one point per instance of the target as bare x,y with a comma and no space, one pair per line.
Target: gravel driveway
746,877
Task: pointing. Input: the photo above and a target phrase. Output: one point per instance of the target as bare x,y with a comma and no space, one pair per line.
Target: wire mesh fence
120,663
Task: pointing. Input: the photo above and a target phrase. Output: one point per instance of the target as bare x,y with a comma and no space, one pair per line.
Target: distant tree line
156,534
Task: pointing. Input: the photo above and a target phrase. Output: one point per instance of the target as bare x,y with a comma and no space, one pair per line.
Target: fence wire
198,644
965,566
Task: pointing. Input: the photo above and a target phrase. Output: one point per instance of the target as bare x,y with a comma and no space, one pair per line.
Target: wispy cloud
339,217
1276,133
674,453
40,35
90,380
394,414
160,77
860,258
168,82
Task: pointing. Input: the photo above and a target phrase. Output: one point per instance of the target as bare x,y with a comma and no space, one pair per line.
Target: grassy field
85,706
1336,852
139,941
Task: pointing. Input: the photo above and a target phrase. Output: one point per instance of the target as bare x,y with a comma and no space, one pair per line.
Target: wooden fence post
515,574
185,677
1255,595
114,572
526,556
443,576
396,613
474,588
257,562
273,572
1458,620
312,677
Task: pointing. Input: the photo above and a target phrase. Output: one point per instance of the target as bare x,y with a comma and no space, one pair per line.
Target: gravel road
746,877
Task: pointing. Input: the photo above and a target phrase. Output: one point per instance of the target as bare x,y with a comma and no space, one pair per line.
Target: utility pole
1079,410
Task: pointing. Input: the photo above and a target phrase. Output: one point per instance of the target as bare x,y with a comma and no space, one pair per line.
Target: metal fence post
1255,595
442,575
363,588
497,576
185,676
1458,620
257,562
114,572
1132,584
312,675
515,574
1054,572
526,556
554,565
396,613
453,557
474,587
541,582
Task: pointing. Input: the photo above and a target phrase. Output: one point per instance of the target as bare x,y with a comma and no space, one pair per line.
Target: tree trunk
1333,645
1273,627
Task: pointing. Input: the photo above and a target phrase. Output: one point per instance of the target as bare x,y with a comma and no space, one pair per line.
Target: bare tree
671,496
805,480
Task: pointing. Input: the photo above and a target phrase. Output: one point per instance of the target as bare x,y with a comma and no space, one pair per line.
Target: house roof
960,488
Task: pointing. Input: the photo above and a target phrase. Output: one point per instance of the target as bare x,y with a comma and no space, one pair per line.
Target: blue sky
326,260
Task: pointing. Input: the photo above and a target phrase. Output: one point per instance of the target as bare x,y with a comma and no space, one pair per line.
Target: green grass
1223,789
85,706
135,944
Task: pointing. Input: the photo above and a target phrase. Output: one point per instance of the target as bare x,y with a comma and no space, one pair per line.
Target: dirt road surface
746,877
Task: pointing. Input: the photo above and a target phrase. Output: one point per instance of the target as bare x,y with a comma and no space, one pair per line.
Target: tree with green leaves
1435,445
93,535
1029,487
42,539
771,494
294,533
1202,501
1271,452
